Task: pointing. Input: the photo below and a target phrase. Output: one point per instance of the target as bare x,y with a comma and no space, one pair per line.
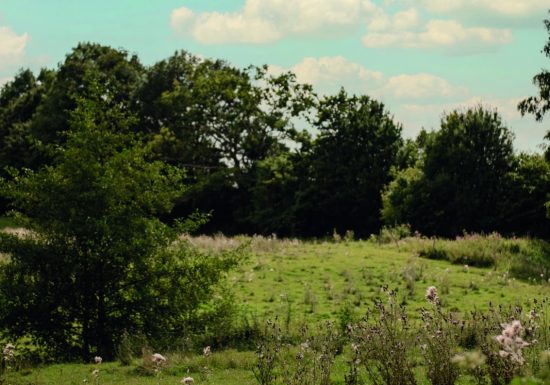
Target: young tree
96,260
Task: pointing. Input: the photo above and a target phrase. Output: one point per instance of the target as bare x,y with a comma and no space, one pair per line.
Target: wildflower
511,342
98,360
95,373
431,295
8,352
158,358
187,380
206,351
466,268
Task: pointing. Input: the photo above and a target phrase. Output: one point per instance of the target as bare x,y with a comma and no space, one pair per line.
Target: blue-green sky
421,57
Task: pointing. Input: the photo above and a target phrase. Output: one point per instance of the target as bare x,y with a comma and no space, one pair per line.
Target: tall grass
524,258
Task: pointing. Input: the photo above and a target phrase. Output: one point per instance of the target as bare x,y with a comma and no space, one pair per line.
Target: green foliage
117,72
393,234
97,261
348,165
461,180
523,203
539,105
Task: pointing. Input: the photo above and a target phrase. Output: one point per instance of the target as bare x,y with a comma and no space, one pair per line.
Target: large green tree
119,73
218,122
348,165
96,259
462,179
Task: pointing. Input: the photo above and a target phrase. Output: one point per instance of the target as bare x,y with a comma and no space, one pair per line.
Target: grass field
307,282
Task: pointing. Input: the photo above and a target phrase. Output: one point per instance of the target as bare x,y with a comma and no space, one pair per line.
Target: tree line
238,137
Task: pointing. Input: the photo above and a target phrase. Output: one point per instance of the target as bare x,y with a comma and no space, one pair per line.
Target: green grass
338,273
306,282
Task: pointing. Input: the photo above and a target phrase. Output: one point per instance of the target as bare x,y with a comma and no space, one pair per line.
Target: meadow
303,284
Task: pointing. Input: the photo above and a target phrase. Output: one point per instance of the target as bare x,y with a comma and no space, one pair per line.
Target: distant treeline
265,154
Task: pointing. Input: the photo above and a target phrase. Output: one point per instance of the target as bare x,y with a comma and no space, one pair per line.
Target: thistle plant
95,373
438,337
206,371
312,363
8,359
352,376
384,341
500,337
159,362
267,354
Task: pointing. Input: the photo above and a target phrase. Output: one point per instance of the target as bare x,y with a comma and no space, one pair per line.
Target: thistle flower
8,351
98,360
431,295
158,358
511,342
187,380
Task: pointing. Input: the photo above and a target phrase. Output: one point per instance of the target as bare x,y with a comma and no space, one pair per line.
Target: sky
422,58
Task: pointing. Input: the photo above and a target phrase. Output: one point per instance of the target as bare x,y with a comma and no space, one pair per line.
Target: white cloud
440,34
504,8
420,86
328,74
334,72
262,21
12,46
403,20
219,28
180,18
